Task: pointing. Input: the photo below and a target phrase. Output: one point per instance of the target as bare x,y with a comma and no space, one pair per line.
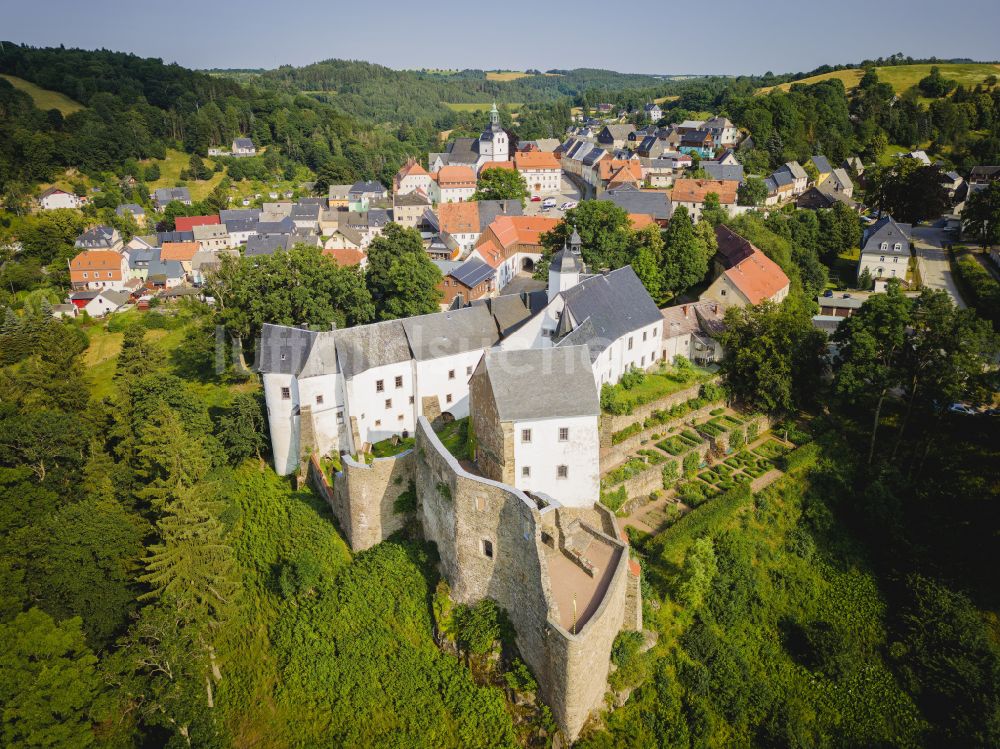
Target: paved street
932,258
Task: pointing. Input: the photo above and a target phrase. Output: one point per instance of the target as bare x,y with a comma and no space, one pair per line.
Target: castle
518,519
492,145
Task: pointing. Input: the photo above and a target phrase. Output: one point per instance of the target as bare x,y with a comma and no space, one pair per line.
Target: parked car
549,203
567,205
961,408
536,199
828,293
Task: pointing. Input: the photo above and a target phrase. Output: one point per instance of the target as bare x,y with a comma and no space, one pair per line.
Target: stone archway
528,265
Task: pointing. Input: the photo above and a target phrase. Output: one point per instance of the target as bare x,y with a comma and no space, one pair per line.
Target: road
932,258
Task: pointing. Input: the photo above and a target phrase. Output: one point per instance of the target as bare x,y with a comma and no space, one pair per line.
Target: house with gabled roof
747,276
885,249
471,280
653,111
243,147
653,203
614,136
165,195
54,198
98,269
411,176
512,244
691,194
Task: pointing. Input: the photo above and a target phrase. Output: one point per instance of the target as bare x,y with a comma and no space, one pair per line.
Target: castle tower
566,267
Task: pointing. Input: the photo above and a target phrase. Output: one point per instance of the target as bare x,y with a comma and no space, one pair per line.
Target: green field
903,77
45,99
478,106
507,75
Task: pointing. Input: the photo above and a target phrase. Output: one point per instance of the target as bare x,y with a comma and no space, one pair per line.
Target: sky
667,37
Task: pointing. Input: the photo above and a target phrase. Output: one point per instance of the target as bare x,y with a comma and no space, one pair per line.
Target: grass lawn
659,383
903,77
170,175
454,436
478,106
665,99
43,98
392,446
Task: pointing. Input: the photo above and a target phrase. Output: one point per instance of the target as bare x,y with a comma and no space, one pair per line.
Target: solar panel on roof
472,272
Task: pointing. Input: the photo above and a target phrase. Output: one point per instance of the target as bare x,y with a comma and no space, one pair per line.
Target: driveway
932,258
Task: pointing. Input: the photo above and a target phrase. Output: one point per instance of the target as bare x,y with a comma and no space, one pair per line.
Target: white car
567,205
548,203
961,408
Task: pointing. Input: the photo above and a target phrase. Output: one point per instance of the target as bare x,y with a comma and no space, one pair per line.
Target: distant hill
903,77
43,98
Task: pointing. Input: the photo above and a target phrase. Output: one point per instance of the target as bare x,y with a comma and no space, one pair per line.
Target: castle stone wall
364,497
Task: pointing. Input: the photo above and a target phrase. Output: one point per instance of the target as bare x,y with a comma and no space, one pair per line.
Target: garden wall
364,497
614,455
611,423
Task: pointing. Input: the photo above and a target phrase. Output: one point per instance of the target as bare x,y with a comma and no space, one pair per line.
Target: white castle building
340,390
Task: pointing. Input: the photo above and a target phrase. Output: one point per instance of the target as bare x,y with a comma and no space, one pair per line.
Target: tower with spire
566,267
493,143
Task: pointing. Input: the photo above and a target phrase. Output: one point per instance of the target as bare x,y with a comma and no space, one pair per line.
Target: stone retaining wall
611,423
614,455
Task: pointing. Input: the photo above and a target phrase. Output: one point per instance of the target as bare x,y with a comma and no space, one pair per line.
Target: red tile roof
535,160
455,176
695,190
496,165
346,256
459,218
187,223
183,251
610,167
757,277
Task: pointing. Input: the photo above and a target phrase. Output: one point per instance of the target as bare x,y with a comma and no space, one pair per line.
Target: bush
691,463
984,290
691,493
478,627
737,439
716,412
670,473
623,434
633,377
614,500
711,391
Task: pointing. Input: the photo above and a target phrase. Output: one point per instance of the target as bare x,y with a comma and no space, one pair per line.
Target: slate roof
545,383
240,225
284,349
452,332
284,226
650,202
165,194
365,347
732,248
165,268
795,169
886,229
362,187
723,171
174,236
511,311
462,151
267,244
243,143
820,162
130,208
489,210
238,214
615,303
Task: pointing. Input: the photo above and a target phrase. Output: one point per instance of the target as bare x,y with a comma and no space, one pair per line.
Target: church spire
494,115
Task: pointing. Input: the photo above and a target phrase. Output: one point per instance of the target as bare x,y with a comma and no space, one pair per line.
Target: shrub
753,427
691,462
717,412
614,500
984,290
737,438
623,434
407,501
691,493
711,391
670,473
634,376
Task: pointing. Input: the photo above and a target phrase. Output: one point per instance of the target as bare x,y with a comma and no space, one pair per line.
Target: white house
244,147
411,177
885,249
106,301
55,198
545,402
724,132
541,171
691,330
453,184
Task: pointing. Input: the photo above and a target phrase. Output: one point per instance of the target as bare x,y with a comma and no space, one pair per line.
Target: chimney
685,310
715,309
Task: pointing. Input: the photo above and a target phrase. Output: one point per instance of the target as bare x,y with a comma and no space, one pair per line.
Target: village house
344,238
691,330
134,211
458,225
347,256
471,280
453,184
187,223
106,301
615,173
211,237
410,177
54,198
165,195
614,136
823,168
724,132
243,147
885,250
653,203
541,171
744,275
162,273
700,142
408,208
99,238
653,112
98,270
204,262
691,194
181,252
338,196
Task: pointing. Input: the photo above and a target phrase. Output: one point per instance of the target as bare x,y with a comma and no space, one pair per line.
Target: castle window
468,371
488,548
388,402
630,343
451,374
525,435
447,398
562,472
897,247
644,335
399,418
340,417
286,394
525,472
378,422
643,362
319,400
411,400
723,292
379,386
564,434
399,381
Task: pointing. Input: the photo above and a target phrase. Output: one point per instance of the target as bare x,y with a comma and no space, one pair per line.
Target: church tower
566,267
493,145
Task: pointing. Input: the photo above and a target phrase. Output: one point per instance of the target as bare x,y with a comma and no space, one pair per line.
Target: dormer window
885,246
897,247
